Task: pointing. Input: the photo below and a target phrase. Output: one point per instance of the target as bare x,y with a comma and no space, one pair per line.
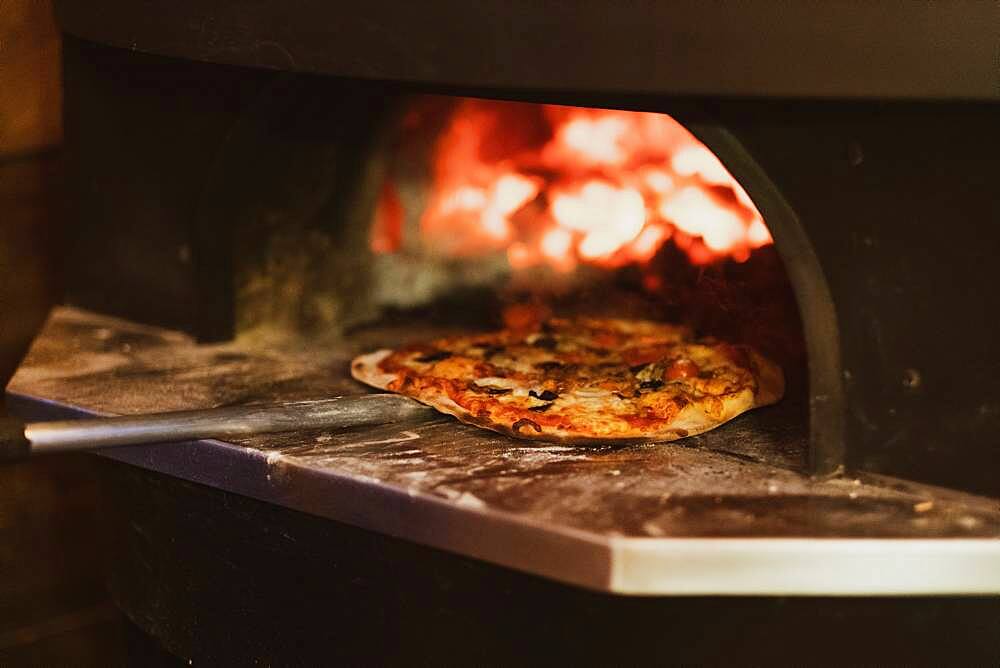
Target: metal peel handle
95,433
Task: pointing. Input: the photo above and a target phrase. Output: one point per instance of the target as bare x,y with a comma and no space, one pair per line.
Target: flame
559,186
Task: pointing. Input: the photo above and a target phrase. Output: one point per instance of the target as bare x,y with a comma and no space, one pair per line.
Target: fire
559,186
594,141
694,212
606,217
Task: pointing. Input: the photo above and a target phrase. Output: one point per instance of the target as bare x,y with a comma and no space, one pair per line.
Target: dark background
54,608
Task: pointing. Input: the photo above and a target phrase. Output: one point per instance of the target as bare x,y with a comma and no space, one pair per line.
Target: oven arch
827,399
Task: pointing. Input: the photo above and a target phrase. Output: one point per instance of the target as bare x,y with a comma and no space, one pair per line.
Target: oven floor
642,519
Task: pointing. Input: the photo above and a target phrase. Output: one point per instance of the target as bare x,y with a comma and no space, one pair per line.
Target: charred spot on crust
546,395
525,422
495,391
650,384
435,356
230,357
400,384
489,349
541,409
545,342
549,366
681,432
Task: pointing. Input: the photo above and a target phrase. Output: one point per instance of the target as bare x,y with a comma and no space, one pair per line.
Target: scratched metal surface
740,480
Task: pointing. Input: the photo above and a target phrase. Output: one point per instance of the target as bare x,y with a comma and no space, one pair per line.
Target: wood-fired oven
259,191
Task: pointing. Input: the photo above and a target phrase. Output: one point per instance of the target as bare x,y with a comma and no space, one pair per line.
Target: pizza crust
770,380
365,368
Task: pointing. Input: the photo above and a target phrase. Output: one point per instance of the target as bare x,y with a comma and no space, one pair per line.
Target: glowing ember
694,212
607,217
657,180
596,141
648,242
698,160
556,246
558,186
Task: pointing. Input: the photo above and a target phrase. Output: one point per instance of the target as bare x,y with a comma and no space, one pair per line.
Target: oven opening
495,214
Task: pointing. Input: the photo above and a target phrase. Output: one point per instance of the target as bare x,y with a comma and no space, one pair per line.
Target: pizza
581,380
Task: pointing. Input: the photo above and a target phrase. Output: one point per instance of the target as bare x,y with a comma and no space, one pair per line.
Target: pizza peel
19,440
